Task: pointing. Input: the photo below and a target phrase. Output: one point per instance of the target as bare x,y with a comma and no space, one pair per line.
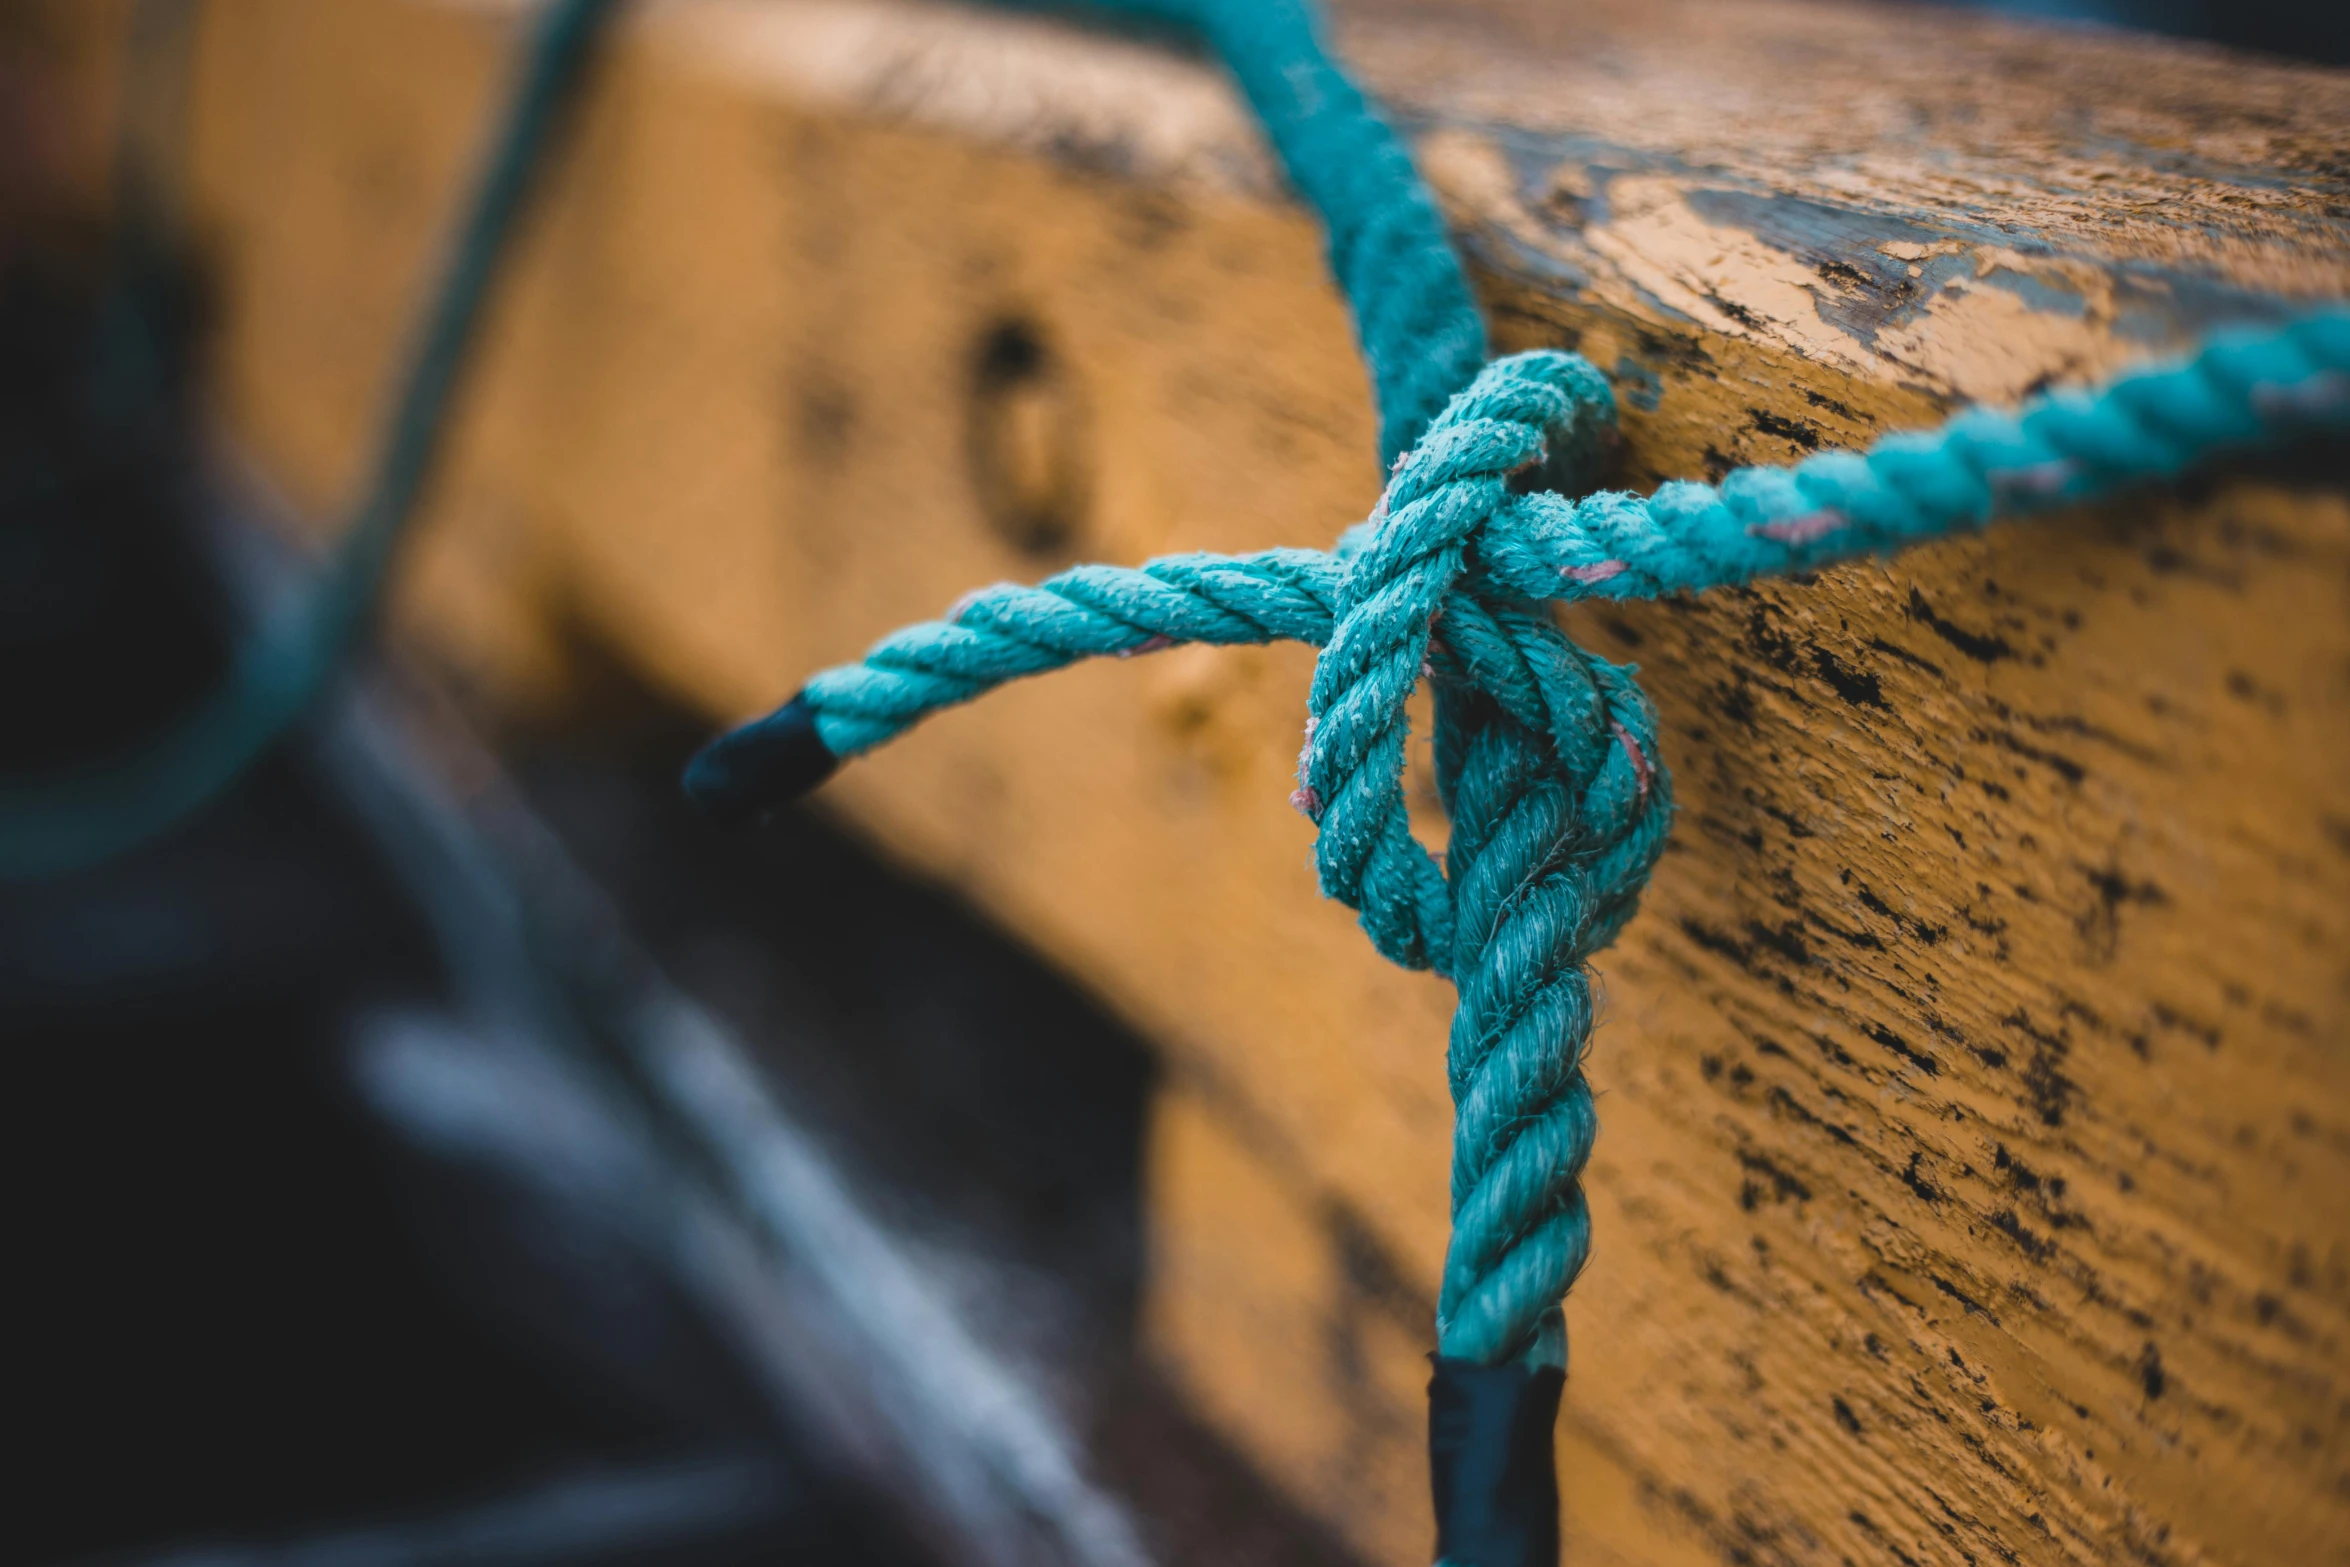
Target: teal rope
1415,318
55,826
1546,755
2243,391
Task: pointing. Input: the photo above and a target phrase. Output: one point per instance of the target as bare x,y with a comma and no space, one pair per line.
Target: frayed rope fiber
1546,756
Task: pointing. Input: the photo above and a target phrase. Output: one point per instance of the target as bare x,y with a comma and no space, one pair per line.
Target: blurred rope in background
57,825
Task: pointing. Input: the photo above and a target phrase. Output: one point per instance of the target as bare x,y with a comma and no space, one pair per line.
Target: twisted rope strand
2243,391
1004,632
1415,318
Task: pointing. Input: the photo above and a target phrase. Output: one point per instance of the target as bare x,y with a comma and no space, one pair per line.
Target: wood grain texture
1976,1114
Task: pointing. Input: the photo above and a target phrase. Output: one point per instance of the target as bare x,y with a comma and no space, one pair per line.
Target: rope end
1489,1453
767,762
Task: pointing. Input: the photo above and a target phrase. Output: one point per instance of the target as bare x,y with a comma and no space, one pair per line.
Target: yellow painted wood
1977,1118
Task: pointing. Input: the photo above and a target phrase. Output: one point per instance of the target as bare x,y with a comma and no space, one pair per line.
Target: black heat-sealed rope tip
768,762
1489,1454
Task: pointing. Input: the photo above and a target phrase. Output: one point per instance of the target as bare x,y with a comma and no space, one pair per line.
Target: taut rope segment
2243,391
1415,319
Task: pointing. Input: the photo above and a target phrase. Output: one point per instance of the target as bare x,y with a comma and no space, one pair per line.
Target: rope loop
1413,587
1546,762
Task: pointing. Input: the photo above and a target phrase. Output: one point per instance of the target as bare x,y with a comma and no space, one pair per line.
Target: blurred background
354,1217
821,1176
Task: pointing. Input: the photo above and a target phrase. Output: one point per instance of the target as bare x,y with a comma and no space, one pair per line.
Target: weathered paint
1973,1181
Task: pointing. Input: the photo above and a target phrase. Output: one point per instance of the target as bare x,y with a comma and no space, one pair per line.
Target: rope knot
1415,600
1546,756
1546,762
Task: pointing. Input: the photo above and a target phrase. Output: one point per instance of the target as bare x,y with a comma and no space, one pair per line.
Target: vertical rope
1416,320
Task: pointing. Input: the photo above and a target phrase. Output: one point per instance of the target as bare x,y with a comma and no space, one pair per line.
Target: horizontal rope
2243,391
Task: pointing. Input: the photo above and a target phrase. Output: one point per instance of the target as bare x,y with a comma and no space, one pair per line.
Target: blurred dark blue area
233,1327
2317,30
314,1266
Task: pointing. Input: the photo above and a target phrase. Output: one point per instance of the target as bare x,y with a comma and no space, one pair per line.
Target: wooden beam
1975,1183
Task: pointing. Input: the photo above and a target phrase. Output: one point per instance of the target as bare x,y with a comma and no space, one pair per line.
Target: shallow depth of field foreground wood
1975,1175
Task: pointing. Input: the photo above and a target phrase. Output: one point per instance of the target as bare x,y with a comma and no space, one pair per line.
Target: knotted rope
1546,755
